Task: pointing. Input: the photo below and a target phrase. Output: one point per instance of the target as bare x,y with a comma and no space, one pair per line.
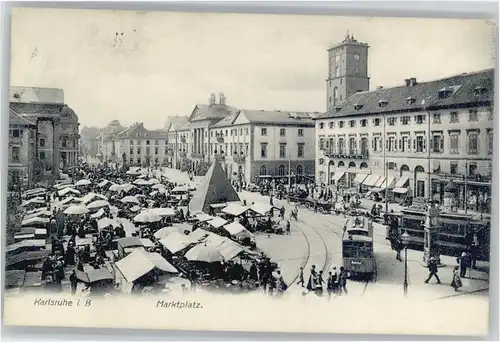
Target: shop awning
400,190
371,180
338,175
379,182
388,183
360,177
377,190
401,182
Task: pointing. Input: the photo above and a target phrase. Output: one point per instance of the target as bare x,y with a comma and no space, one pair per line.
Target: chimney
212,99
413,82
407,82
222,99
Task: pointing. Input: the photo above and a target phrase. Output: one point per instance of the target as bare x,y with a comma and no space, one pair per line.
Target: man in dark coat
433,270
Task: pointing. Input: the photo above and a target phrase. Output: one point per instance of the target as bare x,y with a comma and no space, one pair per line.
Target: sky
164,63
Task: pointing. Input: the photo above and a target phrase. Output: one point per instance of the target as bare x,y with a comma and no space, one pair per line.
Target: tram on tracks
357,248
457,231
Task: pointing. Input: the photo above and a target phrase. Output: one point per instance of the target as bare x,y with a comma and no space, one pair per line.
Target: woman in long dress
456,282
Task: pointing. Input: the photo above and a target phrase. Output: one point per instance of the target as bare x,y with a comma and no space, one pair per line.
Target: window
454,143
321,143
337,72
42,142
392,144
341,124
341,145
300,132
356,71
263,150
436,118
404,143
352,123
453,117
376,122
147,151
405,120
419,119
241,131
472,169
335,95
263,170
473,115
330,124
321,161
420,144
282,150
15,154
321,125
131,142
300,150
157,142
138,150
282,132
473,143
64,142
437,143
453,168
246,149
352,146
157,150
391,166
364,123
376,144
131,161
263,131
131,151
281,170
42,155
391,121
299,169
15,133
490,141
147,142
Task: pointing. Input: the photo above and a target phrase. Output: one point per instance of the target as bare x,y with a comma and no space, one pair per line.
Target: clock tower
347,71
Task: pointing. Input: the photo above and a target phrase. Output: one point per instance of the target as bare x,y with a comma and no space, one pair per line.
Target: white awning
388,183
360,177
400,190
379,182
338,175
371,180
401,182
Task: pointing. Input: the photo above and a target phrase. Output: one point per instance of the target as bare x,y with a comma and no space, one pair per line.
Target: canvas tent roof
176,241
215,188
140,262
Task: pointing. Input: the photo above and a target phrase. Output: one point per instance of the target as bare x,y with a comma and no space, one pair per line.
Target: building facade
173,128
56,127
107,141
137,146
415,137
22,152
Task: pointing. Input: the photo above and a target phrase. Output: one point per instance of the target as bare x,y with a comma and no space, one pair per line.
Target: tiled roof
144,133
113,127
185,127
36,95
228,121
207,112
175,122
279,117
463,89
16,119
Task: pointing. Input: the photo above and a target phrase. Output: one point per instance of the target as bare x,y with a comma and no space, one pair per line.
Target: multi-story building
137,145
57,137
22,151
106,145
415,137
253,143
173,127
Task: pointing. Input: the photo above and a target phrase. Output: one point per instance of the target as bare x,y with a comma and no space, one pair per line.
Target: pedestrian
463,262
301,277
311,283
74,282
319,284
330,284
287,227
433,270
456,282
343,281
335,280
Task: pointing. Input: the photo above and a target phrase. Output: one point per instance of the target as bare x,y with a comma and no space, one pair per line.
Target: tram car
457,231
357,248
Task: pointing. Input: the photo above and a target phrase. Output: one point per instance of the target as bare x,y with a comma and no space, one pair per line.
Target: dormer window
358,106
382,103
444,93
338,108
480,90
410,100
16,96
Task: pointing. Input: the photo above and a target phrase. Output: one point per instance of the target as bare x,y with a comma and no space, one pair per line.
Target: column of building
55,147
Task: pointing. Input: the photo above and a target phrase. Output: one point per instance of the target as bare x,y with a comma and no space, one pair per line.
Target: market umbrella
115,187
158,186
147,216
106,222
130,199
204,253
83,182
140,181
97,204
103,183
153,181
98,214
163,211
76,210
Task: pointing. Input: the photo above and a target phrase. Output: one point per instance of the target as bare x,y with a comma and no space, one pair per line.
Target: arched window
281,170
363,165
335,95
263,170
352,145
341,145
341,164
331,163
299,169
404,168
321,176
352,164
419,169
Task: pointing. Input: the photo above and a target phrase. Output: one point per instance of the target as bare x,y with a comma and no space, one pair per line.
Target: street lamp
405,239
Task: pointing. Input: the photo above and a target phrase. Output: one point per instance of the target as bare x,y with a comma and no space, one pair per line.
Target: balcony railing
239,158
346,153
